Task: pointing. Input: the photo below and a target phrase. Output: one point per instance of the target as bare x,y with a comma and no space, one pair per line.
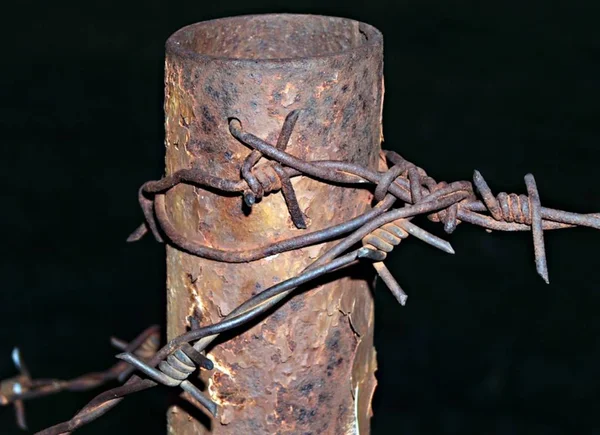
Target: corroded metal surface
312,371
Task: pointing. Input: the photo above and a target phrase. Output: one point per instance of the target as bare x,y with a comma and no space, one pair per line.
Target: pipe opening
272,37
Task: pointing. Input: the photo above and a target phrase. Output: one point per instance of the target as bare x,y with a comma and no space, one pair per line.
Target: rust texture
250,198
287,373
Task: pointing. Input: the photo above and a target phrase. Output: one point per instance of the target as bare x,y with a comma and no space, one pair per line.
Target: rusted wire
22,387
380,230
386,237
272,177
205,335
522,209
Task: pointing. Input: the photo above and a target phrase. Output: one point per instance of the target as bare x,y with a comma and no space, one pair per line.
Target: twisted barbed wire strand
22,387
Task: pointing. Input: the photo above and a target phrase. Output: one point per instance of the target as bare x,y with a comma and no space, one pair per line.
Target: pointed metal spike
542,270
371,254
19,363
426,236
117,343
201,398
537,230
391,283
202,360
287,189
20,414
249,199
486,194
138,233
16,357
287,129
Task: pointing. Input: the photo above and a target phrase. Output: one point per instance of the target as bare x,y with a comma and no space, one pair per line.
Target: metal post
312,371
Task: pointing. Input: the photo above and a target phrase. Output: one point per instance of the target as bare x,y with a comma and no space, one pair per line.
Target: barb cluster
174,371
379,229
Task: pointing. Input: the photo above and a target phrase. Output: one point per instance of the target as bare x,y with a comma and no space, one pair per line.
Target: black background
483,347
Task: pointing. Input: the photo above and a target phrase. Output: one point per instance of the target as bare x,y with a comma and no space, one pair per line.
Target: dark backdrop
483,347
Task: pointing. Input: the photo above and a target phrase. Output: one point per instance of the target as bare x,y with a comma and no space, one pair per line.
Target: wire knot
382,241
448,216
386,237
271,177
421,187
177,367
175,370
525,209
261,180
504,207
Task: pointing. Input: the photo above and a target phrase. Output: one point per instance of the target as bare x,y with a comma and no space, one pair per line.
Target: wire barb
536,228
173,372
388,236
524,209
272,177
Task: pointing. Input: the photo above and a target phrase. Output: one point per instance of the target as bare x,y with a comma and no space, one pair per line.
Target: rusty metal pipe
258,69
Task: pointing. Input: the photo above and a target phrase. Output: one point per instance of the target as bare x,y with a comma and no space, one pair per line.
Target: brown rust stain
309,366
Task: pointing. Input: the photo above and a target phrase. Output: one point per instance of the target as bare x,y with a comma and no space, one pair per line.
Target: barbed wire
379,230
16,390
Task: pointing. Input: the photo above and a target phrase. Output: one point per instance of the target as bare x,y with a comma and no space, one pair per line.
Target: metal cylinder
309,366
